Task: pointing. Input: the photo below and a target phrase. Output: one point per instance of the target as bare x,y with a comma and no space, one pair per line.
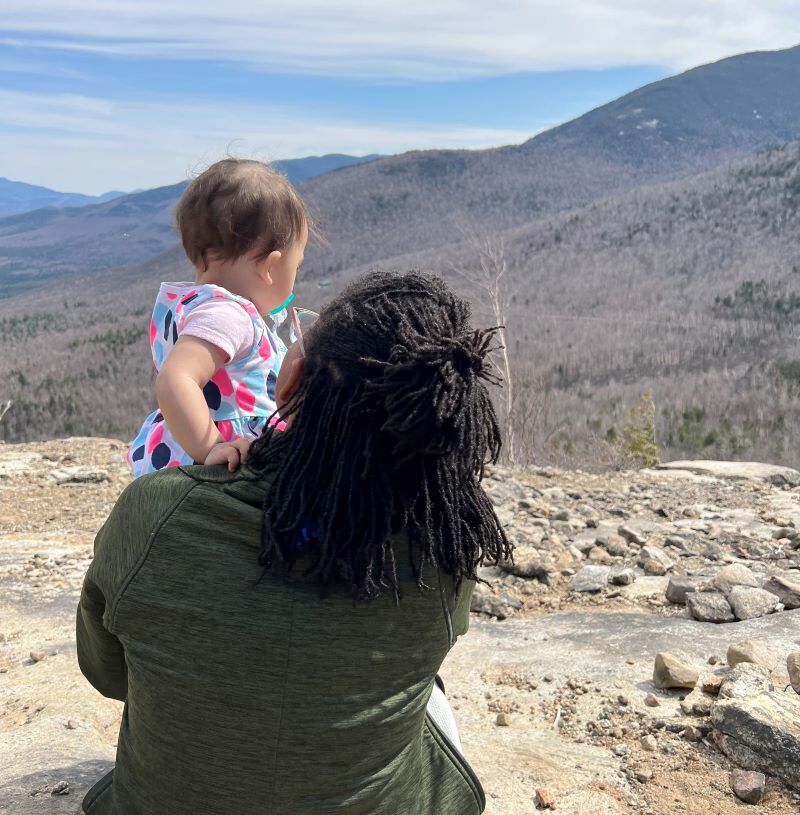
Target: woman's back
233,683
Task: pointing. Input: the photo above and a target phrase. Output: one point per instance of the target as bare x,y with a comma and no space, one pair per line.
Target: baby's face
284,270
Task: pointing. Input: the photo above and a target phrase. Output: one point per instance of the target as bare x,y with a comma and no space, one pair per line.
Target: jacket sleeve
120,548
101,656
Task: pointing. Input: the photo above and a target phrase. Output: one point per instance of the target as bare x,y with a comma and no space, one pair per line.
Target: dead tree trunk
488,279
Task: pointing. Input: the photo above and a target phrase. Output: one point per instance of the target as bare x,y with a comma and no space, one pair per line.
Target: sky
98,95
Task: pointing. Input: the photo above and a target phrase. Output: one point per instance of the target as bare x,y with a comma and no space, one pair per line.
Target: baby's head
244,227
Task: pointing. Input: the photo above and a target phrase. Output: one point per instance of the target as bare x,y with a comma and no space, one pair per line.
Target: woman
276,632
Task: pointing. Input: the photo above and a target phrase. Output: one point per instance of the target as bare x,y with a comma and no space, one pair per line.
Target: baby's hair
237,206
393,425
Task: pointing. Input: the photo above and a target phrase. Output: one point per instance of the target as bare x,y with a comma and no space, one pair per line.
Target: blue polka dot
213,395
161,456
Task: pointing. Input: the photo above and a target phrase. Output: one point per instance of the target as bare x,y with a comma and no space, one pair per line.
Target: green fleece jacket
247,697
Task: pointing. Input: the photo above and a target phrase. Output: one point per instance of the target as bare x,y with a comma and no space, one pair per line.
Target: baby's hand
233,453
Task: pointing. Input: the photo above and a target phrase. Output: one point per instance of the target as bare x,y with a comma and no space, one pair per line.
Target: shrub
639,433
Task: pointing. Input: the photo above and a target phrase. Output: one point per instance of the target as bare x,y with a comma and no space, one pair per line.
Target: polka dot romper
240,396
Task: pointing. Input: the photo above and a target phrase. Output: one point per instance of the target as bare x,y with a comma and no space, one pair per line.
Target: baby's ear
265,265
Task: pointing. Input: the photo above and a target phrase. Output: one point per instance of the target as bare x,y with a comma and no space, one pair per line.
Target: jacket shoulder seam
143,557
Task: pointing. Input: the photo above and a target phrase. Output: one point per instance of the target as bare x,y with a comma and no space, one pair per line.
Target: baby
244,228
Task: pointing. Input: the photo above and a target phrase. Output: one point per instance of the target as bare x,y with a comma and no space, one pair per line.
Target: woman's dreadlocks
392,427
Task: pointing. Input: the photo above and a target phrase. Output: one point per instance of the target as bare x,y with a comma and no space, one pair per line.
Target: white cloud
415,39
82,144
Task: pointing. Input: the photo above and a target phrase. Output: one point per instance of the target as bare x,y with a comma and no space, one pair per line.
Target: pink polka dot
174,464
277,423
264,348
153,331
155,439
225,430
245,398
172,296
223,382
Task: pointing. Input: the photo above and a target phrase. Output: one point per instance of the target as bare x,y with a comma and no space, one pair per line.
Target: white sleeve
224,324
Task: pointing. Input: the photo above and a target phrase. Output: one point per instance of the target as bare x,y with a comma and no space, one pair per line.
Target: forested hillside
691,289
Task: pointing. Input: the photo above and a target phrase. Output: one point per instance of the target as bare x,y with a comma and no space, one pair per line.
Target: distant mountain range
119,229
653,242
679,126
16,196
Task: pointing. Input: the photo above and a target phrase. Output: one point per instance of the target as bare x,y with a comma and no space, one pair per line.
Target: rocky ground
590,680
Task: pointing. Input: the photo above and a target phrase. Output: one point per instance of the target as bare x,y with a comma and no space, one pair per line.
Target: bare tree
488,278
4,408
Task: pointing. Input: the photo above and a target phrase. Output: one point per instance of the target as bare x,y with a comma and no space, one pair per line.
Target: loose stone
748,786
649,743
709,607
754,651
748,603
671,672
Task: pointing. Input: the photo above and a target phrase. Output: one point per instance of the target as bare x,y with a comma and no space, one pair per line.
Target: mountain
298,170
51,243
669,129
16,197
56,244
689,287
665,257
389,206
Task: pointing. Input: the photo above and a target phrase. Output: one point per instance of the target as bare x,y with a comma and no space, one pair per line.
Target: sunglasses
299,321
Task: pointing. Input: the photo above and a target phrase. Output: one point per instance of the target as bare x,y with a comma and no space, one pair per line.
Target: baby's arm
179,388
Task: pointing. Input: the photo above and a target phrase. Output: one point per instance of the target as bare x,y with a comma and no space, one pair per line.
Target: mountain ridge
19,196
51,242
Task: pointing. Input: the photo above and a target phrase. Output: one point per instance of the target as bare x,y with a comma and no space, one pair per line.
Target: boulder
585,544
747,785
709,607
734,575
529,563
793,667
623,577
654,568
591,579
614,545
501,606
787,591
599,555
745,470
671,672
79,475
632,535
755,651
678,587
712,684
655,553
745,681
761,733
748,603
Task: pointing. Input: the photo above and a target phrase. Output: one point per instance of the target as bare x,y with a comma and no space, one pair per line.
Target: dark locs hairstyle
392,427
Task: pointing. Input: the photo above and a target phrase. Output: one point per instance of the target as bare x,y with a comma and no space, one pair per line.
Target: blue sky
99,95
